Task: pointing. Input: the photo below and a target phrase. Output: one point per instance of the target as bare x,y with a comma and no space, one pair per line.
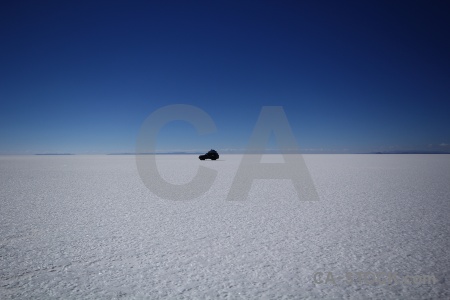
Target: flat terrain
87,227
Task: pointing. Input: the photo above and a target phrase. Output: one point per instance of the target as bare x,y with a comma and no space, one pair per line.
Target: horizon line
230,153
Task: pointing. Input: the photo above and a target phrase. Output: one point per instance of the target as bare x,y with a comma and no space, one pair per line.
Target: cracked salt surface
86,227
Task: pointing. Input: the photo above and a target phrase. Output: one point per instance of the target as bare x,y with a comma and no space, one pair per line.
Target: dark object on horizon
212,154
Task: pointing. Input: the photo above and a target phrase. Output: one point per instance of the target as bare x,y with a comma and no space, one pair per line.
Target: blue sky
81,76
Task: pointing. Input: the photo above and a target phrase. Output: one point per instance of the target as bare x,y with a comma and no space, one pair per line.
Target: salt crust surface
86,227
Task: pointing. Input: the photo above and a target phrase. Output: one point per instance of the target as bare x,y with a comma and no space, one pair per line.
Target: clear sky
81,76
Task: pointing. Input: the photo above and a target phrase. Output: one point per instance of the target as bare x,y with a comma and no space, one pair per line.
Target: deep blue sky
81,76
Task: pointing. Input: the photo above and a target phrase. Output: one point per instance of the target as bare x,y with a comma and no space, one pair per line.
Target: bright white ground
86,227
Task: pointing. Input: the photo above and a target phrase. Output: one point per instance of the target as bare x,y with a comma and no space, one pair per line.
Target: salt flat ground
76,227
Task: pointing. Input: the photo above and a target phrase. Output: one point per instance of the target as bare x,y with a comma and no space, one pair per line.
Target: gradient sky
81,76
